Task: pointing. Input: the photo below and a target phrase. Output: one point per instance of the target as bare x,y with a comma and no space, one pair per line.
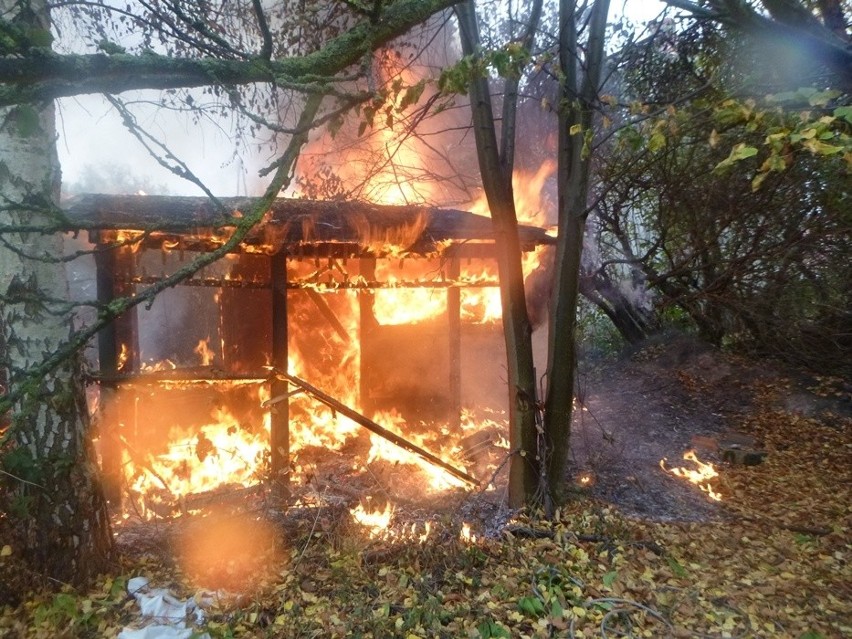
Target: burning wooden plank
290,223
372,426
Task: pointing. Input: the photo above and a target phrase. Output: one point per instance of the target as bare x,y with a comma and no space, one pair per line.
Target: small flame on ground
466,535
700,476
375,521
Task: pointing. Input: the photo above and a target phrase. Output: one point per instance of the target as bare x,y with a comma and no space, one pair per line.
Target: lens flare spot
227,551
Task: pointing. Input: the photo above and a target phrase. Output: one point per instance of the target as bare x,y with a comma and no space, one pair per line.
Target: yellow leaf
6,551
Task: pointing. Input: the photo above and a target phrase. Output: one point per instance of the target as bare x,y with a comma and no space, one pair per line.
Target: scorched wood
290,223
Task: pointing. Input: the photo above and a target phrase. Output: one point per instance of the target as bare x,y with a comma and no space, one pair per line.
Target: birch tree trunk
49,461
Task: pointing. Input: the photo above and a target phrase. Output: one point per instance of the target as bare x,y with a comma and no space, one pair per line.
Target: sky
93,140
637,9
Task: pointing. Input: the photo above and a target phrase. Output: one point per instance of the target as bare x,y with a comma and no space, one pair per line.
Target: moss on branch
41,74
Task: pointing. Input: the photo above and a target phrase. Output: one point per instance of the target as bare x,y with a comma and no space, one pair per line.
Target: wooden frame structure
122,226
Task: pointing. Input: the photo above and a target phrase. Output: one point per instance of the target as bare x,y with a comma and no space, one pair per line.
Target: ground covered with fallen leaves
773,561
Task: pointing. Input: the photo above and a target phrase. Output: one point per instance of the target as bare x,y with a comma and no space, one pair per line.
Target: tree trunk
632,322
517,331
579,89
56,489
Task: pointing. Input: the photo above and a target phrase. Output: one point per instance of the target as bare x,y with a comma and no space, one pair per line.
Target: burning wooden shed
300,297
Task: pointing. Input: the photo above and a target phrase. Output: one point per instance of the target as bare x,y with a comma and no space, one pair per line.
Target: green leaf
502,62
556,610
455,79
609,578
773,163
742,152
489,629
758,180
844,112
657,142
412,95
821,148
676,567
821,98
739,152
531,605
811,634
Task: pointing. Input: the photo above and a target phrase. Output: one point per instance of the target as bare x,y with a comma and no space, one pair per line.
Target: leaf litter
770,560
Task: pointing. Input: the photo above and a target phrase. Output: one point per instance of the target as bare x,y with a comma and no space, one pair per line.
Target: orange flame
225,451
123,356
531,208
375,521
701,476
204,352
466,535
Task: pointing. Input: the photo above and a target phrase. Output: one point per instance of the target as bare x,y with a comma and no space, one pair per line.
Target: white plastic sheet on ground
164,615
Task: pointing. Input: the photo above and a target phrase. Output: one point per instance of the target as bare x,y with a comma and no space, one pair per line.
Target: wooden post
114,268
368,326
279,430
454,331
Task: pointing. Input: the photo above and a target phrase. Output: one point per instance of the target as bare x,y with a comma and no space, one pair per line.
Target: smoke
99,154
